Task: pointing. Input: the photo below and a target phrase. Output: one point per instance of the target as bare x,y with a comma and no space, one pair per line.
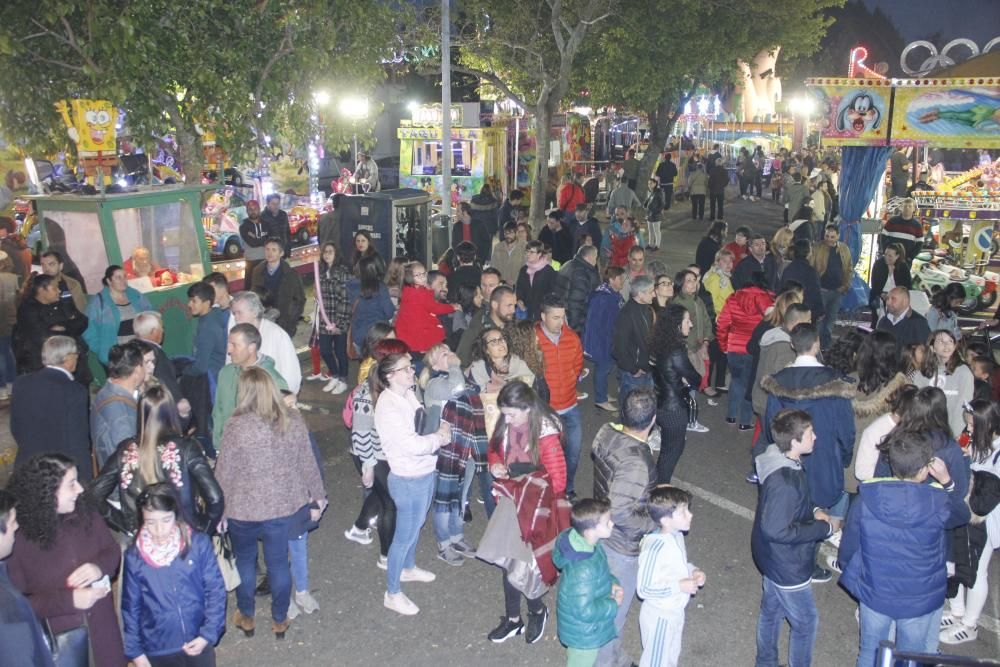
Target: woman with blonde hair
158,453
268,472
781,251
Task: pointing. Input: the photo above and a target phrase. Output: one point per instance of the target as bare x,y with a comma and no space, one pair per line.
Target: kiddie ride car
931,274
221,216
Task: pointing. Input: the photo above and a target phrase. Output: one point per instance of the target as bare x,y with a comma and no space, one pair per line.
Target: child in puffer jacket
589,595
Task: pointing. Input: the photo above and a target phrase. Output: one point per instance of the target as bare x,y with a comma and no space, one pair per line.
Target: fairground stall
870,117
398,222
478,154
161,223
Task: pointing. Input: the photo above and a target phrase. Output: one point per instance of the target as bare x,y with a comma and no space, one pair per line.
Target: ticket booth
397,220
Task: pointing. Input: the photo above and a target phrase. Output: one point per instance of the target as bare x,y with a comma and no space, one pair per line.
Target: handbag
227,560
70,648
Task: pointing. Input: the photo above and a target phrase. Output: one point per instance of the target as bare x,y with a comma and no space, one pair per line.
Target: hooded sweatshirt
784,531
775,353
586,610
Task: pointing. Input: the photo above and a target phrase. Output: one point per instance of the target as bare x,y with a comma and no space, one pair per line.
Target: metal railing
890,656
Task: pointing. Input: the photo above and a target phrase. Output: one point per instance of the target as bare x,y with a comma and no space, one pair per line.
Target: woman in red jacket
742,313
527,436
417,322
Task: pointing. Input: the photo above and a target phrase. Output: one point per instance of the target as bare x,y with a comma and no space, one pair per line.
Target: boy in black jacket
786,529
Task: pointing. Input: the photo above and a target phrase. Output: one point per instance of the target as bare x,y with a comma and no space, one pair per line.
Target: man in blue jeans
630,337
785,532
832,261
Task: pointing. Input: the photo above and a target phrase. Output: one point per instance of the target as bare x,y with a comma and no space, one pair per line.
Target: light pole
355,108
801,107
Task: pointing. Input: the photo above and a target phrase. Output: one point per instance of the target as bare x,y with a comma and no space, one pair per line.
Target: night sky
978,20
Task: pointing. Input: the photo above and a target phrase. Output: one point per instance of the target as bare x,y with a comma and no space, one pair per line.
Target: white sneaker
400,604
293,610
834,540
334,385
318,376
382,563
4,393
582,396
832,563
959,634
359,536
949,620
339,388
306,601
697,427
417,574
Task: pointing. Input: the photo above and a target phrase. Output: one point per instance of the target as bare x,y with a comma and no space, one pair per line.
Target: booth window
159,245
84,255
427,158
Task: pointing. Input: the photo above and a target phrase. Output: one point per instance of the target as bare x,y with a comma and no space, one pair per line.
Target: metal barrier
889,656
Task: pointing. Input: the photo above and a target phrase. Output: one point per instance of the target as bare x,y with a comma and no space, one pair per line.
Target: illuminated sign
434,133
430,114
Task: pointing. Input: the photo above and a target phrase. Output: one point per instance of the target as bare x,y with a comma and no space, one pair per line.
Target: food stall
96,231
479,154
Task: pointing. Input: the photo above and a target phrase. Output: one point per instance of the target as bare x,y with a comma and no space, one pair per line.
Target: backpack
620,245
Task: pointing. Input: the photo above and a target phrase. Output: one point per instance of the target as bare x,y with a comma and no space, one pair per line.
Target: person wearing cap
254,234
366,171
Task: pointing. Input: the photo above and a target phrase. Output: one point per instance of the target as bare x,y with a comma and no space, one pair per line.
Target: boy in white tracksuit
666,580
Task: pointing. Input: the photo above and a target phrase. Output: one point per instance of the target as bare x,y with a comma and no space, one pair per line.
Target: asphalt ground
465,603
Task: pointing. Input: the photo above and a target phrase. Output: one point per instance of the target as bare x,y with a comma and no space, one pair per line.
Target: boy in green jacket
588,596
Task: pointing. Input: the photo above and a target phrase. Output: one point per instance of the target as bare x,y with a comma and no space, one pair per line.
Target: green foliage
244,67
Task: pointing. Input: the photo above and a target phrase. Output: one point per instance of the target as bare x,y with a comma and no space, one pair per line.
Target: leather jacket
672,368
182,463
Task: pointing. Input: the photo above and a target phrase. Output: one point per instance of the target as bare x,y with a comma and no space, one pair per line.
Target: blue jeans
918,634
274,534
572,436
626,570
831,306
602,369
333,349
298,550
448,526
627,382
412,496
740,367
799,607
8,368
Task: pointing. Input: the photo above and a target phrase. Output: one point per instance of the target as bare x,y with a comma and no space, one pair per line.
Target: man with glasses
497,312
536,279
630,346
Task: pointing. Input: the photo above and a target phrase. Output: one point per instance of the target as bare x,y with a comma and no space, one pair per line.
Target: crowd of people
873,442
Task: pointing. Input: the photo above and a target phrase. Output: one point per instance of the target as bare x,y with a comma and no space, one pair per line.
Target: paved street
458,609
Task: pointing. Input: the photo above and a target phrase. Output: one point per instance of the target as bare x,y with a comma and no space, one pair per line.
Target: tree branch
71,36
285,48
493,79
57,63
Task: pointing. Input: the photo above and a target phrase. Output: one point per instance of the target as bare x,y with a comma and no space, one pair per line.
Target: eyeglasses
665,283
408,367
495,341
422,273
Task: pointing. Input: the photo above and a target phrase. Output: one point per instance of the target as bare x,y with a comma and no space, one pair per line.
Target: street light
802,106
354,108
321,98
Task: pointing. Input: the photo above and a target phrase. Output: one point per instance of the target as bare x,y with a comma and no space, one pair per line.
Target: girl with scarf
536,279
173,594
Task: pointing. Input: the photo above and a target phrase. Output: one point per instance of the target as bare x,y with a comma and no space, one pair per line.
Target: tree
654,55
527,50
245,68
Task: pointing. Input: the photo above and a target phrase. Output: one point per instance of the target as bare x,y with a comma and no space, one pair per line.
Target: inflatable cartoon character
860,115
90,124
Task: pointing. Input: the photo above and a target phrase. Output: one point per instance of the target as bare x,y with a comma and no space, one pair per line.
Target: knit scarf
159,555
536,266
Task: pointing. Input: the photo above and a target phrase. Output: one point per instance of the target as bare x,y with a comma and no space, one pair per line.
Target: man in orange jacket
563,355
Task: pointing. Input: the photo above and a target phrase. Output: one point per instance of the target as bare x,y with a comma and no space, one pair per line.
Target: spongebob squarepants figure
91,126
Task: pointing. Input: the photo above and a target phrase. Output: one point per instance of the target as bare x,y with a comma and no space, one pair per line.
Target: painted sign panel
953,116
852,115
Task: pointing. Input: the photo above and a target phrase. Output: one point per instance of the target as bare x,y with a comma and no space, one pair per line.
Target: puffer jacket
672,369
740,316
163,608
907,521
586,610
582,279
624,474
182,464
784,532
103,319
563,364
826,396
719,285
701,323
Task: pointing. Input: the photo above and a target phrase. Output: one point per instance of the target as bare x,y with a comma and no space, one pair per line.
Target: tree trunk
661,124
540,179
191,153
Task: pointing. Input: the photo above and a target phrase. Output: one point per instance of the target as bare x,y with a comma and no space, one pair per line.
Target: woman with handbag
173,595
333,317
269,472
62,562
528,436
159,453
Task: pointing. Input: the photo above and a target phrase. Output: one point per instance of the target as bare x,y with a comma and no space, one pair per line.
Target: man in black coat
557,237
476,232
630,347
536,279
667,172
902,322
583,224
754,261
275,221
49,411
581,277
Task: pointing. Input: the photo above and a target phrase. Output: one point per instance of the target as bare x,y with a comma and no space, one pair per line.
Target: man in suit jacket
49,410
148,327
